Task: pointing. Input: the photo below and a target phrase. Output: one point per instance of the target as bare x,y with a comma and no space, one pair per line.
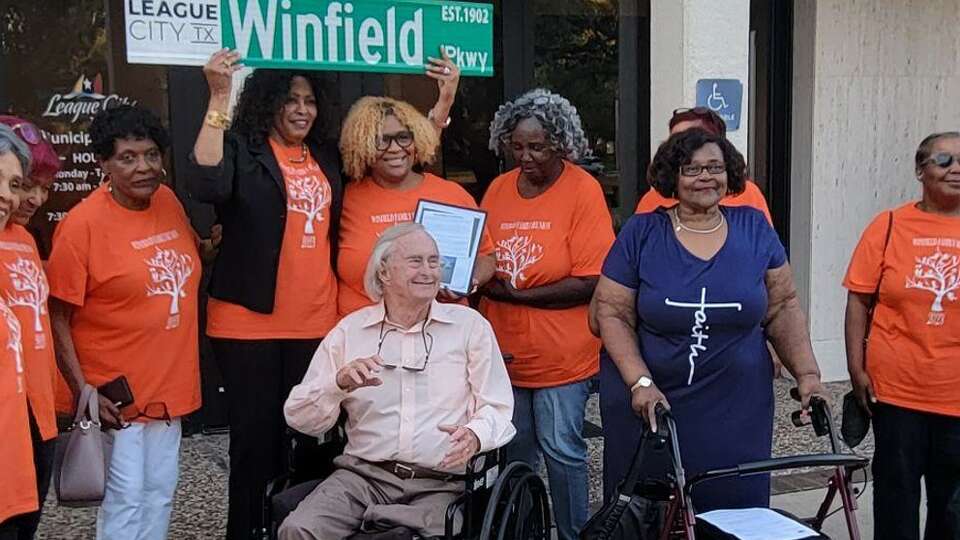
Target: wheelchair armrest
850,461
479,466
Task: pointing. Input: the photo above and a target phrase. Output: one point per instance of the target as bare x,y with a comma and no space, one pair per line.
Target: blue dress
700,334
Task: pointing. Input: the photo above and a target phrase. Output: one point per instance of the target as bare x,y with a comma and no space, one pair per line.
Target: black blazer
249,195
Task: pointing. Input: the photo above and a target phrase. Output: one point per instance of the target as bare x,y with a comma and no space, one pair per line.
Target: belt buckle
403,472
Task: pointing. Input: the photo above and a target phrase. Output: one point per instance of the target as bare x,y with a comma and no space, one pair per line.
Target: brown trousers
360,493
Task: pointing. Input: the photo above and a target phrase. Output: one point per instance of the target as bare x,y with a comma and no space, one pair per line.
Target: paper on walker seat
757,524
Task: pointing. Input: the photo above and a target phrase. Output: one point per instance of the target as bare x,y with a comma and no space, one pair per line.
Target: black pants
258,375
910,445
24,526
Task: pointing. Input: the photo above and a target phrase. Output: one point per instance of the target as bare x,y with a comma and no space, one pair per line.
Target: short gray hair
382,250
555,113
11,143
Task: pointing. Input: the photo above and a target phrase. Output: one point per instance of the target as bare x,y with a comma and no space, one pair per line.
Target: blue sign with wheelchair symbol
723,96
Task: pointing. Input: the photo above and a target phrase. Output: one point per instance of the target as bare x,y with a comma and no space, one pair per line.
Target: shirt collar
439,313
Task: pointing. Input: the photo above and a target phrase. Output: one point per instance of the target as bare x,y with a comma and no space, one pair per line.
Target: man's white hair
384,247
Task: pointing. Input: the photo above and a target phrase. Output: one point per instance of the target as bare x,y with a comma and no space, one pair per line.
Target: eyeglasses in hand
156,410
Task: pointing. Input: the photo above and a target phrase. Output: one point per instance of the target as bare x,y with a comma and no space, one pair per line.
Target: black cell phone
117,391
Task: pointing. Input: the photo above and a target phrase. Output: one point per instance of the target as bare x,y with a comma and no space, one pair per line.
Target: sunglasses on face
942,160
403,139
695,170
28,132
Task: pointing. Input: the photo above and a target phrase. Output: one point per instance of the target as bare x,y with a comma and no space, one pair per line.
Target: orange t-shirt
368,210
305,305
25,289
564,232
18,494
133,277
914,346
751,196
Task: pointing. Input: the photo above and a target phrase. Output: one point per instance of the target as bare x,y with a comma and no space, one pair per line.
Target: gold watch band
218,120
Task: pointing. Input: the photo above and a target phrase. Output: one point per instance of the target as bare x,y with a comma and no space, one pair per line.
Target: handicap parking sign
723,96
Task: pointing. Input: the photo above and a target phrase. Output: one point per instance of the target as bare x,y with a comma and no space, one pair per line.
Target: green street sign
391,36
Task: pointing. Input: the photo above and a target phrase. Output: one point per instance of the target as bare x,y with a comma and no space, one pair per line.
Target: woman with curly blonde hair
385,143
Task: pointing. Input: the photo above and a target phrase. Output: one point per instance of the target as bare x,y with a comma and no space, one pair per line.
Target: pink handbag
82,458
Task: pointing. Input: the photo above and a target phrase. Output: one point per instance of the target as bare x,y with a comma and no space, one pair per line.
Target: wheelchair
660,505
500,501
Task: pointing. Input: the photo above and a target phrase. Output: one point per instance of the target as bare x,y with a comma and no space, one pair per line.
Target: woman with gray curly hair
552,230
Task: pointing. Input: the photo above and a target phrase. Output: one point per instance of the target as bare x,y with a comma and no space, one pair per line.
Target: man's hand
497,289
464,444
446,295
110,417
359,373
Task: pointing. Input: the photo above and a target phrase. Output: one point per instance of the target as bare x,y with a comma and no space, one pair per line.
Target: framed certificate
457,231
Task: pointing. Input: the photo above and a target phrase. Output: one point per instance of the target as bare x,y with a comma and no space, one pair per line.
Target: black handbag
638,509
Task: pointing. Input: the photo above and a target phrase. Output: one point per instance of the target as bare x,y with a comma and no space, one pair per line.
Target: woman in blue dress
688,298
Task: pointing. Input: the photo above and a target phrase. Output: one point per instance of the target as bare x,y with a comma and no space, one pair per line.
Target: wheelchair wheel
518,507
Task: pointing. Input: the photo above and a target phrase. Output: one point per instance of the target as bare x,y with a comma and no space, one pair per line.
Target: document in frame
458,231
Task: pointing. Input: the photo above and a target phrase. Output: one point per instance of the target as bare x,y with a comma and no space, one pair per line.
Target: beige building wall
871,79
692,40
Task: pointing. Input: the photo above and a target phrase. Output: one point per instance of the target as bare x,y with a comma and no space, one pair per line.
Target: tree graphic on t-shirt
13,342
516,254
169,271
939,274
308,196
31,291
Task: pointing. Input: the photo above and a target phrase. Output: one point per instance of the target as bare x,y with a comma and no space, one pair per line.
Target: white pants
140,484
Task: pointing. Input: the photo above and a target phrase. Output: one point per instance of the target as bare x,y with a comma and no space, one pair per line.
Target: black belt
405,471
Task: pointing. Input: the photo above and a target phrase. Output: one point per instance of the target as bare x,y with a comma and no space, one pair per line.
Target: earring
163,172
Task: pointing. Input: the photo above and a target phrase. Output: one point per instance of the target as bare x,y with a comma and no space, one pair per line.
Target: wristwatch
642,382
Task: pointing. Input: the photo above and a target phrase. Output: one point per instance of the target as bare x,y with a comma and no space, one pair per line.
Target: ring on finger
446,70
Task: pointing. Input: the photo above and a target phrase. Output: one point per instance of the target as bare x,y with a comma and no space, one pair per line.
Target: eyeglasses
693,111
942,160
507,143
28,132
427,346
695,170
156,410
403,139
709,119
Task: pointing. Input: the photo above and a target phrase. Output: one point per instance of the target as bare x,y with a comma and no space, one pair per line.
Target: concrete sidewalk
806,503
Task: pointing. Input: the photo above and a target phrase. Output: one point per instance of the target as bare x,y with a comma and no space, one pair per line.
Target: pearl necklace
303,155
681,226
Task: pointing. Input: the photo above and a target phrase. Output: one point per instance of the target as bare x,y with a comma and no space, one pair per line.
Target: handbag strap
636,468
88,406
883,258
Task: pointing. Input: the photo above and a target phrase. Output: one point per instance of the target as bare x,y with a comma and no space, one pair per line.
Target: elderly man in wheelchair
423,388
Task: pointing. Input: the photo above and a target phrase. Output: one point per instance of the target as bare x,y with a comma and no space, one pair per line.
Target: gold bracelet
218,120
